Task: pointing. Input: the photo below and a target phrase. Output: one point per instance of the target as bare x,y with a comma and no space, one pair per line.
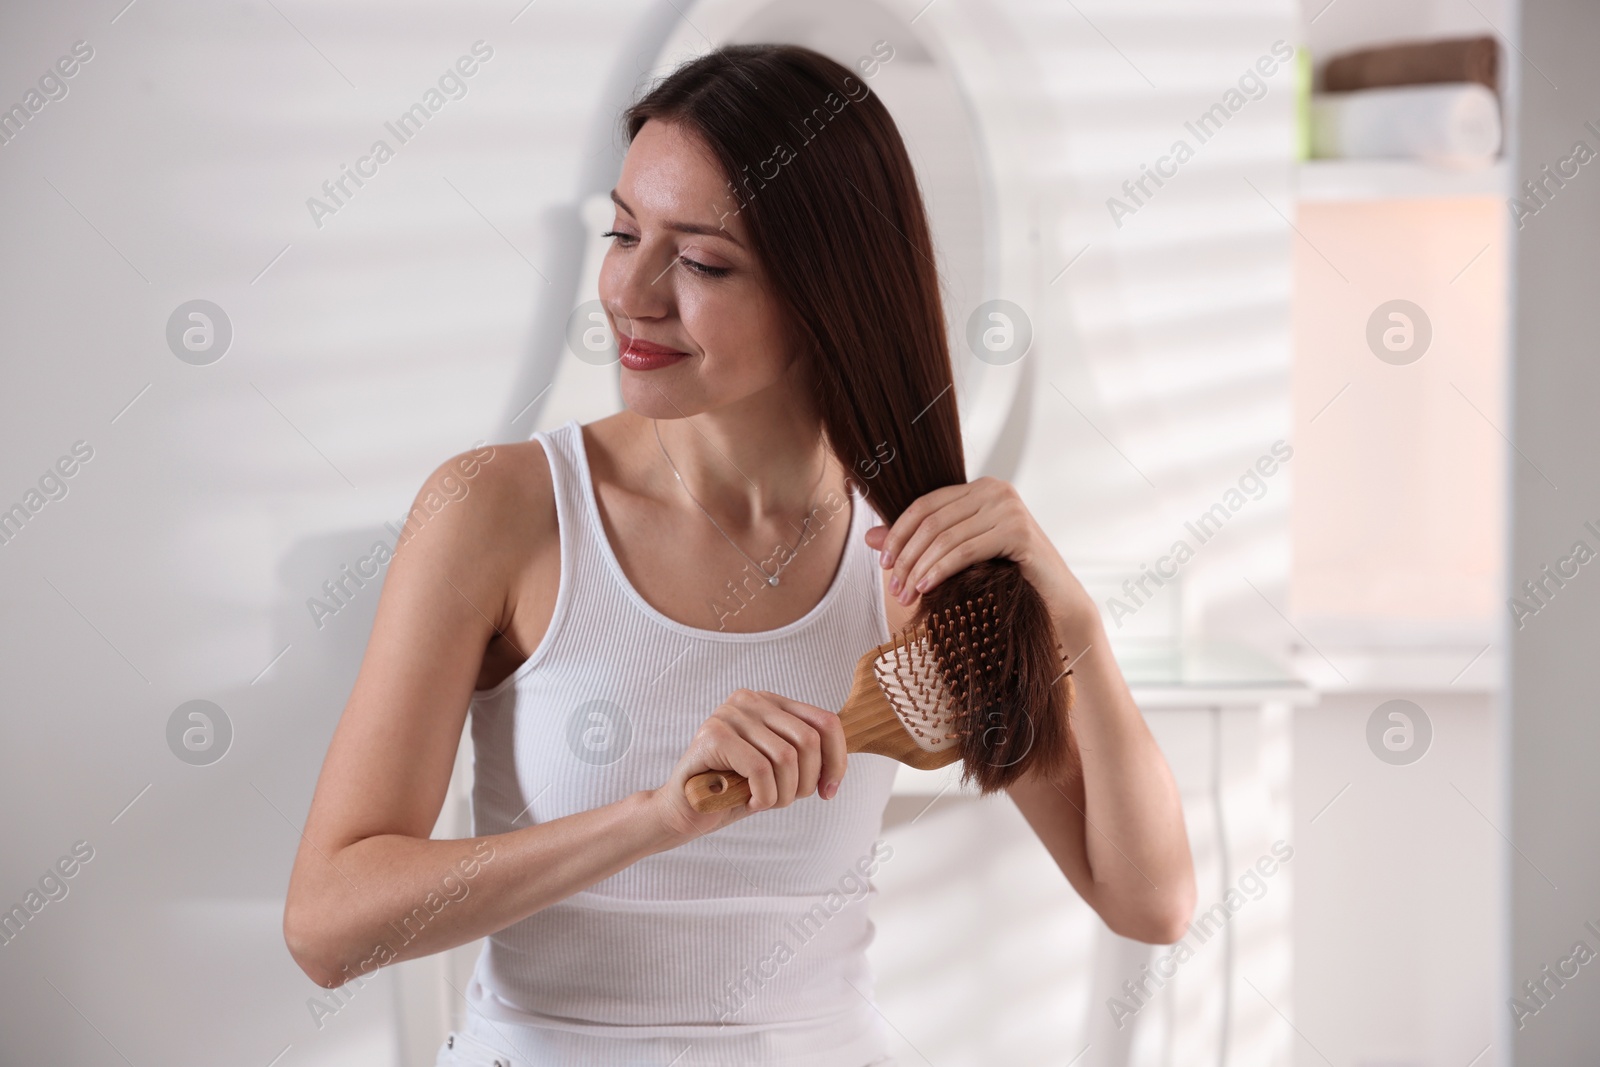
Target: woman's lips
639,354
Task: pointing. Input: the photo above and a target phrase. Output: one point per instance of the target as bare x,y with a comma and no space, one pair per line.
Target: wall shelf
1355,180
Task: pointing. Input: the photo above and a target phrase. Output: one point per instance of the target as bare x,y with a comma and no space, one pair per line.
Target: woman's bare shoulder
509,542
503,493
517,512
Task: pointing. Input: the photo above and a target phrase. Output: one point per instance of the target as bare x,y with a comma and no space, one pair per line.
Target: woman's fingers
782,770
831,745
800,749
731,748
786,748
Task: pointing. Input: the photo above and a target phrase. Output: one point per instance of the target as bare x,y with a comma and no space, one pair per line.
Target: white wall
1553,733
427,314
1397,893
220,497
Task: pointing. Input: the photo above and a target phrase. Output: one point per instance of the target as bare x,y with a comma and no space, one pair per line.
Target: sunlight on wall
1398,508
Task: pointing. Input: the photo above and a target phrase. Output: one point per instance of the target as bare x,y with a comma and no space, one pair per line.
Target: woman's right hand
786,748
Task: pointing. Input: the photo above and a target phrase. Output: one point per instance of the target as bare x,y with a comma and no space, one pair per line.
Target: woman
686,586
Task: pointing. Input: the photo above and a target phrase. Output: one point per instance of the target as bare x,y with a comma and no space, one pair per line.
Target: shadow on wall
564,231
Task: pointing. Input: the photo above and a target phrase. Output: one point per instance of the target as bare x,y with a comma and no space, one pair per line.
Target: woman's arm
394,896
1117,833
369,886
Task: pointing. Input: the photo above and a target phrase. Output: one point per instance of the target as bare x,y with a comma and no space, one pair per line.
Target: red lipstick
639,354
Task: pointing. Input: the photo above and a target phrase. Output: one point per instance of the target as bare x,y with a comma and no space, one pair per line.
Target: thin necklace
772,579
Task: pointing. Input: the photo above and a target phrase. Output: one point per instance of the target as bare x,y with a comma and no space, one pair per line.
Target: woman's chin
652,396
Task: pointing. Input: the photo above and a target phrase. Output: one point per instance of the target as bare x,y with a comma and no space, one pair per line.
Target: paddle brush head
956,682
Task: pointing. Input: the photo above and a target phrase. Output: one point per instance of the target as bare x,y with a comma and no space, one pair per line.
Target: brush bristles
954,680
910,678
940,675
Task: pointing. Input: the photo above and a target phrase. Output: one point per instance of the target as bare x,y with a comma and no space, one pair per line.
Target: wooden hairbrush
911,700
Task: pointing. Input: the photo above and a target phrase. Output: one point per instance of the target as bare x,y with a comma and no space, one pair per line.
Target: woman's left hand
952,528
1140,878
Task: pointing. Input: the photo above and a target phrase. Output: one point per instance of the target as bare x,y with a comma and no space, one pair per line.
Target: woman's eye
627,240
713,272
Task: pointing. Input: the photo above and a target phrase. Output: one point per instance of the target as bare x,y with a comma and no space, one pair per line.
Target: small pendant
773,580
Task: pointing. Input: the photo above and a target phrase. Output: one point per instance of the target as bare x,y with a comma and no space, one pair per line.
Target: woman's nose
640,284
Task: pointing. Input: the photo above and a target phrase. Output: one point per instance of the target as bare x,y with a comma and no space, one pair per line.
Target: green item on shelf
1302,103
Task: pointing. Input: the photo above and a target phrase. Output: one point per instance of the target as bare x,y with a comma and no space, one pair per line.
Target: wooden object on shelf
1461,59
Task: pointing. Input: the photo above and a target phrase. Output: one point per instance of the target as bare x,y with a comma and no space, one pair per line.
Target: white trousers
485,1043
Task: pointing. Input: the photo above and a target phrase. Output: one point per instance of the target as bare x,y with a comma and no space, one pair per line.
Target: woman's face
681,275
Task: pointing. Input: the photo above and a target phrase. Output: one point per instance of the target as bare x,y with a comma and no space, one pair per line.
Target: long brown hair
832,207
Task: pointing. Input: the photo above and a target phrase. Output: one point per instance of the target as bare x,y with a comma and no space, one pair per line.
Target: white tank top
741,944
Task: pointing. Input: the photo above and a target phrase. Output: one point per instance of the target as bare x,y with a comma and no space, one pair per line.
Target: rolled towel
1453,125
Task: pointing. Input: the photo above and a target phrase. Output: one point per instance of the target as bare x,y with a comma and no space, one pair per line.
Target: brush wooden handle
711,791
870,725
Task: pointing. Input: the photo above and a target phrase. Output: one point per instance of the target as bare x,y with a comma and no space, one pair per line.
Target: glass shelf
1196,676
1355,180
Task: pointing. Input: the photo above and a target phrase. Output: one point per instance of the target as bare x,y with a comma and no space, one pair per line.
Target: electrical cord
1223,867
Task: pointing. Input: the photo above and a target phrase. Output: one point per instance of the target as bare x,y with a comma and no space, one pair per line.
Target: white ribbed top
758,928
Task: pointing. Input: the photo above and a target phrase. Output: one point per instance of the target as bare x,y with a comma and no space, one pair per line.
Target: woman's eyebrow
685,227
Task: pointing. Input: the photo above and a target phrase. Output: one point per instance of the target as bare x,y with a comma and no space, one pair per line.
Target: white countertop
1198,676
